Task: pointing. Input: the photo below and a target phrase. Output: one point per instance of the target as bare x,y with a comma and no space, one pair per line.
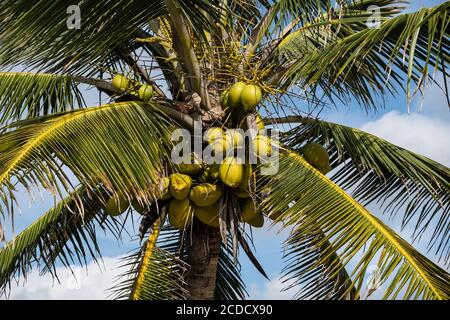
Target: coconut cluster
123,84
195,188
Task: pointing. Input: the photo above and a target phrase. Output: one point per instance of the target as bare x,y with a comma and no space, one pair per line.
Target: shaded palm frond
288,18
283,13
376,171
361,62
29,95
161,275
319,281
310,201
36,33
230,285
65,233
120,146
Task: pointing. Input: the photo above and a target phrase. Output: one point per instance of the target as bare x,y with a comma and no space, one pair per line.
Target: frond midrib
385,233
149,248
51,128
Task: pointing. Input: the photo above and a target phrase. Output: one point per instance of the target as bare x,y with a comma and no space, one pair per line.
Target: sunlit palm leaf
25,95
316,202
119,145
49,43
155,273
66,233
374,170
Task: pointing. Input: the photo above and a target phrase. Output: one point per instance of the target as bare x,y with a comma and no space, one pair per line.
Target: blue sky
423,131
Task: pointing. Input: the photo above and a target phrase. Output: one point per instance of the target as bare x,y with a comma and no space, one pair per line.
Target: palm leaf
230,285
160,275
282,13
321,280
378,171
408,45
66,233
314,201
36,33
120,146
288,18
47,41
155,273
25,95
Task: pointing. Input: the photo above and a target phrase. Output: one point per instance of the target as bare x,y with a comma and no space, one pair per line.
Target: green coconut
222,146
234,94
180,213
117,205
231,172
213,134
248,209
257,221
145,92
317,156
251,96
208,215
120,82
262,146
180,185
191,165
205,194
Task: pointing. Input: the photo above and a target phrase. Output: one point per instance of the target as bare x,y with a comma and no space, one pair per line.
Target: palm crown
190,53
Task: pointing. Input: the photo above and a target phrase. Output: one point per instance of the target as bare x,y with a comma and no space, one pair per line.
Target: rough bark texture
203,257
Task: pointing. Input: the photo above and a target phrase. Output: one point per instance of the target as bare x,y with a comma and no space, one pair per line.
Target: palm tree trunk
203,257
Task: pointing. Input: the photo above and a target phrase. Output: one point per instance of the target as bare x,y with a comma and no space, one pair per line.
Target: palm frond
313,202
161,274
66,233
27,95
376,171
36,33
230,285
283,13
362,62
154,273
321,280
119,145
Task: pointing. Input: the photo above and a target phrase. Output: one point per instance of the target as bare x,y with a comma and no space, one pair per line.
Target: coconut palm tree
305,55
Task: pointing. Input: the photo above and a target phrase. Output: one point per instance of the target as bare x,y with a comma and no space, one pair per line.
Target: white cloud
90,283
270,290
416,132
